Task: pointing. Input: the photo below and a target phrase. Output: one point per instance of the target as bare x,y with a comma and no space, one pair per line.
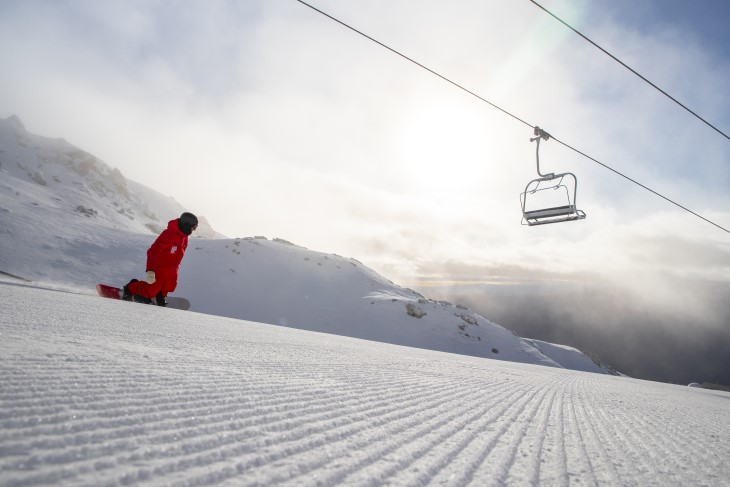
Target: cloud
648,326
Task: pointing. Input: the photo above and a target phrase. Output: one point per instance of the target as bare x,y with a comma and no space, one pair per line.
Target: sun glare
442,148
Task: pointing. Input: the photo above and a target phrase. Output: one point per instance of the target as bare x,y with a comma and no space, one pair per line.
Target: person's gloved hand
151,277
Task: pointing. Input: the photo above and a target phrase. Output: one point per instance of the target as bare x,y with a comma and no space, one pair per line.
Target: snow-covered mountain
69,221
64,180
102,392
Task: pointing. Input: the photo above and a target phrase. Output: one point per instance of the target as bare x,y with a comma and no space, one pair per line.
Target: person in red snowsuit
163,262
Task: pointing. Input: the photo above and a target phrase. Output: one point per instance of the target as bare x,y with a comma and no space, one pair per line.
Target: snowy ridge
69,221
568,357
279,283
56,175
142,395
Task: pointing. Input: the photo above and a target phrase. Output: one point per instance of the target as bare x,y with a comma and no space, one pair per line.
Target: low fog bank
644,330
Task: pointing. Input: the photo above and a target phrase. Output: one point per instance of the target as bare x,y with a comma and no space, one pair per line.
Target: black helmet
187,223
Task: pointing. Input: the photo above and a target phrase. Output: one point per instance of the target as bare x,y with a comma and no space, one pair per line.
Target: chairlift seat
553,215
550,212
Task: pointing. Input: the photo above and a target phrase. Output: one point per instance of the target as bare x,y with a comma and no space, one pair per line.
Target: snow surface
101,392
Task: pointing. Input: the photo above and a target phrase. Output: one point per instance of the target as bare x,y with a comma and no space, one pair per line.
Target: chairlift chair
562,203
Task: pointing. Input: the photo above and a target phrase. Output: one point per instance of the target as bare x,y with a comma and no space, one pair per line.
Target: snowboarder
163,261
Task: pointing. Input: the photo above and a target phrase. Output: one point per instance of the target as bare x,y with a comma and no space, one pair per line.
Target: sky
271,119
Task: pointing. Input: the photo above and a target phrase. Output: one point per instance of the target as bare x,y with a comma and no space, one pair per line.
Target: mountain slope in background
69,221
63,179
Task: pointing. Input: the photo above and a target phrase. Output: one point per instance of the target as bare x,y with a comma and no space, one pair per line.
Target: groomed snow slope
103,392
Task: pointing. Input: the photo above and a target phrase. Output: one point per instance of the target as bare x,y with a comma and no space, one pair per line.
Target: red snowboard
116,293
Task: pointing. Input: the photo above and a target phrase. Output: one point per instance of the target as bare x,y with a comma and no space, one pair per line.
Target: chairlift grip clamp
540,134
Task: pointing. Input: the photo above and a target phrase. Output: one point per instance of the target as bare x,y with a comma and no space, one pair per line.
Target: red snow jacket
165,255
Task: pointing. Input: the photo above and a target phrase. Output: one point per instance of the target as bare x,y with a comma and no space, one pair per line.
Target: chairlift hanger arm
541,134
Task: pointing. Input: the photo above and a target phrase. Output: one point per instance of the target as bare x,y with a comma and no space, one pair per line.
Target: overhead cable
631,69
412,61
507,112
640,185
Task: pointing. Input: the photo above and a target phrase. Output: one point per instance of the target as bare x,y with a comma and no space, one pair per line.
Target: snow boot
141,299
126,295
160,299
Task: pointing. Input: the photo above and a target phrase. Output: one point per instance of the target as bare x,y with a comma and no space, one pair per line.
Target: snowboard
116,293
